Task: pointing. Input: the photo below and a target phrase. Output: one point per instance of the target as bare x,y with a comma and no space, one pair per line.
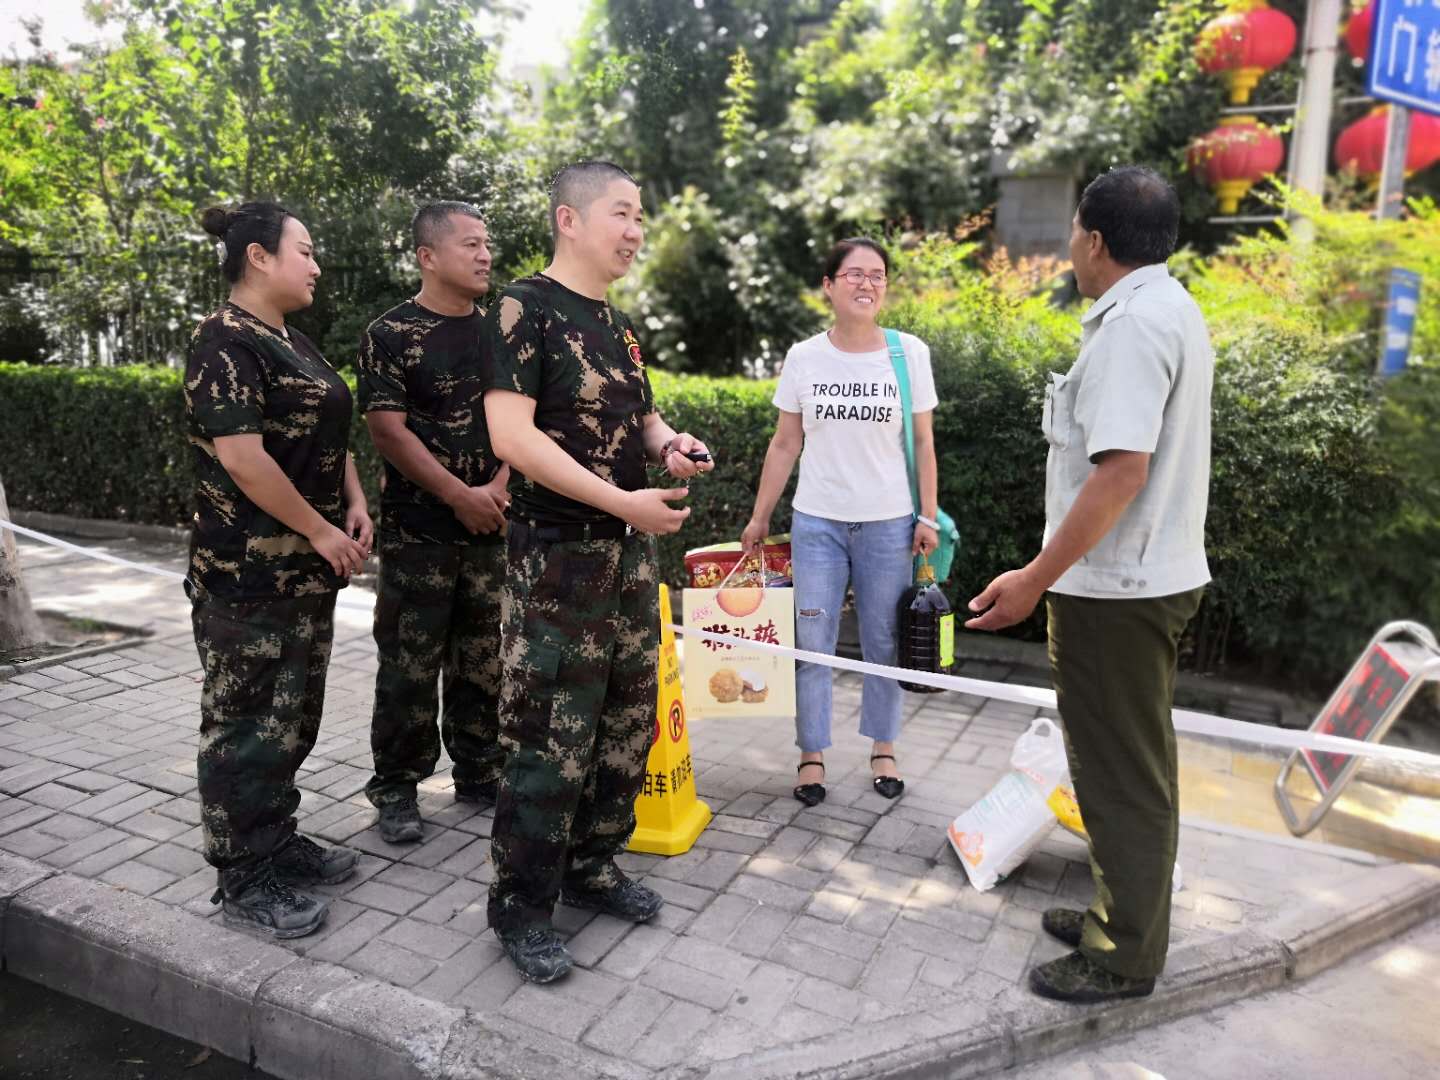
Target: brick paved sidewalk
782,925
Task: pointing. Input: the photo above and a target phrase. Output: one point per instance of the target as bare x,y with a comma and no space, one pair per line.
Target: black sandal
810,794
891,787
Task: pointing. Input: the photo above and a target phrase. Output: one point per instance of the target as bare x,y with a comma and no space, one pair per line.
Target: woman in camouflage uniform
281,523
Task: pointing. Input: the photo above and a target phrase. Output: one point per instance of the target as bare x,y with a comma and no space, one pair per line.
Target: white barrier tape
144,568
1190,723
92,553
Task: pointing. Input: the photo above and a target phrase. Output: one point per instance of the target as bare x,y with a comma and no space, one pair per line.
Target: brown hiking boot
1065,925
1079,979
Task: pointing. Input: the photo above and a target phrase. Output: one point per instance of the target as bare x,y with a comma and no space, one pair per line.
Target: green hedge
1313,540
111,443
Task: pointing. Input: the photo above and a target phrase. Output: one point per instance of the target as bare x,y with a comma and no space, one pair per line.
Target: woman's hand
753,538
359,527
926,540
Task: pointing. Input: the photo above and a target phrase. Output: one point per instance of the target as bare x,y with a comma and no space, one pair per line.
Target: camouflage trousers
437,619
264,664
577,715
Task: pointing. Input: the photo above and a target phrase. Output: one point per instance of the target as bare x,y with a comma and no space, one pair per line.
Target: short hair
835,257
580,184
431,222
249,223
1137,213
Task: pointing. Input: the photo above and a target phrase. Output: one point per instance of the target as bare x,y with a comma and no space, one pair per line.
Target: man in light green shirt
1126,487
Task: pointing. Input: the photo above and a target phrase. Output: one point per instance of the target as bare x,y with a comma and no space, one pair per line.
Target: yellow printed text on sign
668,813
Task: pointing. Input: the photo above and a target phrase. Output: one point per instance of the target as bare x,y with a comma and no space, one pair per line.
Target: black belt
569,533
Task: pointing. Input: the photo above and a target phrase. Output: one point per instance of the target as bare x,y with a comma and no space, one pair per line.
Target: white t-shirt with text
853,464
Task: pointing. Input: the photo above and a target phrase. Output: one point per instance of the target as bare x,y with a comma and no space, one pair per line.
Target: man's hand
649,509
1011,598
359,526
480,509
344,555
680,466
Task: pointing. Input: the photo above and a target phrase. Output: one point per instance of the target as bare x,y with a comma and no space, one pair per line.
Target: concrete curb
259,1002
1020,1029
135,636
248,998
1387,902
98,528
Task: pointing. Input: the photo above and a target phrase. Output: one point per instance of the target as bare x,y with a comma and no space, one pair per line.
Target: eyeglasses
856,276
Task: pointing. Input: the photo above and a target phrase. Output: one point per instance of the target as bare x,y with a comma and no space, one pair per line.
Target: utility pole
1392,171
1310,144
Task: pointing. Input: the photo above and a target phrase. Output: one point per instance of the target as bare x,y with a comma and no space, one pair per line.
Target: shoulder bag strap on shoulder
902,376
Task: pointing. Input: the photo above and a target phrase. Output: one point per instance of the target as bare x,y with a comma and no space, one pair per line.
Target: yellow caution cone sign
668,815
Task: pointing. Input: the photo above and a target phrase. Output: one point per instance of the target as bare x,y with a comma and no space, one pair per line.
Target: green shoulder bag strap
944,555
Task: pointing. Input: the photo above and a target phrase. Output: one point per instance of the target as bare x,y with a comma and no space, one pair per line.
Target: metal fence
46,316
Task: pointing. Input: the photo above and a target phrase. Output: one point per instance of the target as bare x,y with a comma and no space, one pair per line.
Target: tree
648,75
346,111
19,628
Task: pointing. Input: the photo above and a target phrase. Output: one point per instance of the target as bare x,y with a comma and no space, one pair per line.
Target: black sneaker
254,898
1065,925
400,823
536,951
480,792
1077,978
628,900
301,861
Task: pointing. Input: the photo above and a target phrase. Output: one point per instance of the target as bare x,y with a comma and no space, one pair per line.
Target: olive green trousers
1113,665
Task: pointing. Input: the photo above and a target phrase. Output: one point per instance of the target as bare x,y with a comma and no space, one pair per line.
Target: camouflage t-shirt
580,361
429,367
245,378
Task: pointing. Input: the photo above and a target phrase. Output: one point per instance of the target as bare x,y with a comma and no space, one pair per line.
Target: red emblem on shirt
634,348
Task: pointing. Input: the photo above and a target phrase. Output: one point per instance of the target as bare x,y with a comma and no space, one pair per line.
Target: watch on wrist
928,522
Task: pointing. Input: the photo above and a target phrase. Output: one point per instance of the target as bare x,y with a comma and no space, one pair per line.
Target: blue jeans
826,556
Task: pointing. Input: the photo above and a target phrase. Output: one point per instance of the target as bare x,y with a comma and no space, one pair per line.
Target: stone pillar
1034,209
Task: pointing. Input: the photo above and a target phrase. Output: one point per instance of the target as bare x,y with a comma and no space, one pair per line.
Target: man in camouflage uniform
442,553
570,408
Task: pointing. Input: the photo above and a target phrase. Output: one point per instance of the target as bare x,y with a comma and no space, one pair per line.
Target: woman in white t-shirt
854,521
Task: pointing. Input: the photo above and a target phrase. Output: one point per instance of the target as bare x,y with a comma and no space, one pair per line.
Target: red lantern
1361,146
1357,32
1250,39
1233,156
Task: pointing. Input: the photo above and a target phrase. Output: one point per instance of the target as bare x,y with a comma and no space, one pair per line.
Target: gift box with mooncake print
726,678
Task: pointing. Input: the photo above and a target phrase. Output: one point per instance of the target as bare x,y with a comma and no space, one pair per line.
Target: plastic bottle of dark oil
927,630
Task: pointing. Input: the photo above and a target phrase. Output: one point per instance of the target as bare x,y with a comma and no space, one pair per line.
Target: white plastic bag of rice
1000,831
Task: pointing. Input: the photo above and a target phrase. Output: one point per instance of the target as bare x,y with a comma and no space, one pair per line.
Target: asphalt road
48,1036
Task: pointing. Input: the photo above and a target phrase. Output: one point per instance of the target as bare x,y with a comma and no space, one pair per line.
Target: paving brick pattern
782,923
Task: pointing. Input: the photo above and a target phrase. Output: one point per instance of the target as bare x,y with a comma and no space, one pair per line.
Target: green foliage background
1323,504
762,130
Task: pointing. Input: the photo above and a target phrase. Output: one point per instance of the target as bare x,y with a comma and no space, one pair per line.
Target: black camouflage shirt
245,378
429,367
579,359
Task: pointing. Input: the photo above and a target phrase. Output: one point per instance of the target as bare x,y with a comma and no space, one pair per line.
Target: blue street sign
1404,62
1400,306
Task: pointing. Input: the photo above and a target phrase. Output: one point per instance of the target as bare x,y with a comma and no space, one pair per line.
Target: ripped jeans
827,555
